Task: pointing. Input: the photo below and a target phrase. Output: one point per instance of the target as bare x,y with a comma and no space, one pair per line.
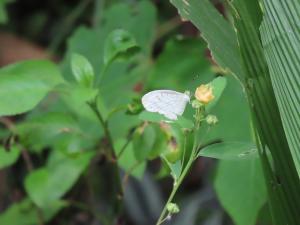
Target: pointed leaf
82,70
218,33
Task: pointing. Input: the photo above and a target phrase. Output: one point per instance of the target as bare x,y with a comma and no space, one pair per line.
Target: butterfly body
169,103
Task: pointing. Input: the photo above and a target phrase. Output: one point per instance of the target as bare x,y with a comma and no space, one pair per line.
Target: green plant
259,46
85,130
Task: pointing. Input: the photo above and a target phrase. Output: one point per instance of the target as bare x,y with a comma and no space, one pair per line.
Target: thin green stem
115,110
123,148
175,188
200,113
166,218
184,150
111,154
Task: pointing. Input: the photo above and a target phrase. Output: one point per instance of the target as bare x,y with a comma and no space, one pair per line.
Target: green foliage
218,85
8,157
267,118
189,73
82,70
120,44
230,151
247,61
175,168
206,18
45,186
25,213
143,142
97,126
241,189
23,85
151,117
127,160
281,48
49,130
155,117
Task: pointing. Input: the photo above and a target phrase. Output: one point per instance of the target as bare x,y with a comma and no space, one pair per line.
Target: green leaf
8,157
151,117
127,161
24,212
143,142
280,38
82,70
119,45
231,118
23,85
230,151
218,85
156,118
120,77
209,21
175,168
76,98
49,129
266,114
240,187
142,15
48,184
160,144
189,73
184,123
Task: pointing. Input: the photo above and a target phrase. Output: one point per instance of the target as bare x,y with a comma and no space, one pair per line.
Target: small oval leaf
82,70
230,151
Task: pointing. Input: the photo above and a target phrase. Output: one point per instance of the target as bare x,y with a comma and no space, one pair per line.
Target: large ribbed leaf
281,41
282,177
218,32
285,181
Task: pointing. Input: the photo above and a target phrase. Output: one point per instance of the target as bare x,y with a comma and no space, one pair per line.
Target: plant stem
175,188
112,157
123,149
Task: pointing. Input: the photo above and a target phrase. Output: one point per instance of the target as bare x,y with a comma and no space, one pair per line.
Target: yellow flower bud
204,93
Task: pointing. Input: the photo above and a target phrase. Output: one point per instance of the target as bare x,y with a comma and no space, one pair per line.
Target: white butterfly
166,102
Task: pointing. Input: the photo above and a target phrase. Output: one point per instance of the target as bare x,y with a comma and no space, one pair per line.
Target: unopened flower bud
211,119
204,93
172,208
196,104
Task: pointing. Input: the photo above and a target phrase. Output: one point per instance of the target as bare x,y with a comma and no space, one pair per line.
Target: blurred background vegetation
173,56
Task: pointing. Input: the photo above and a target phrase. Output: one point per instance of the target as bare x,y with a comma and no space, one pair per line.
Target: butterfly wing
166,102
